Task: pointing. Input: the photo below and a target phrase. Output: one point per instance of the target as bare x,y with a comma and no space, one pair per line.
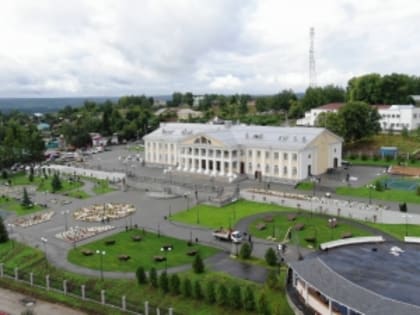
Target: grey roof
291,138
320,276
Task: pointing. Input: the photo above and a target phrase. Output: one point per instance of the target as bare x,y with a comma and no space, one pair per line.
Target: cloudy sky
117,47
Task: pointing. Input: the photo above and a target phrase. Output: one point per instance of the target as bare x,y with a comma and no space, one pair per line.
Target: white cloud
115,47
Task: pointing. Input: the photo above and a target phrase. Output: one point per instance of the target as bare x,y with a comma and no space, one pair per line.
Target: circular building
366,278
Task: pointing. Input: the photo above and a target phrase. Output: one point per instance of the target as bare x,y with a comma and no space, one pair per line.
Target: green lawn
382,163
141,253
214,217
305,186
314,226
102,187
397,230
388,195
45,185
136,148
10,204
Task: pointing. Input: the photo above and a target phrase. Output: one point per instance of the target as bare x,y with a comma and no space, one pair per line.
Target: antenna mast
312,69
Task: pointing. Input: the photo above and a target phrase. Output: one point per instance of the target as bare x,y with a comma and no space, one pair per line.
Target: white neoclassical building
271,153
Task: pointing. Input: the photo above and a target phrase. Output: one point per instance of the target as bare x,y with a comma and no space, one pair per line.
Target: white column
207,171
329,307
230,173
222,164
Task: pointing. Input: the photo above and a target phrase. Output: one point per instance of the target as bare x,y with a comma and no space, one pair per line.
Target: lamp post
332,222
11,226
44,241
166,249
65,213
406,216
101,262
370,187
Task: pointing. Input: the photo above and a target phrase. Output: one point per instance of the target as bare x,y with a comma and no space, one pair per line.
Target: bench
310,239
192,252
268,218
110,242
136,238
159,258
299,226
87,252
124,257
261,226
347,235
291,217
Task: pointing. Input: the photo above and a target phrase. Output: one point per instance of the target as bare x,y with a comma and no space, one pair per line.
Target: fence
87,292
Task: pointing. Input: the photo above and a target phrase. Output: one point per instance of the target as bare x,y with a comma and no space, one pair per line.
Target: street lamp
406,216
332,222
65,213
101,262
370,187
166,249
44,240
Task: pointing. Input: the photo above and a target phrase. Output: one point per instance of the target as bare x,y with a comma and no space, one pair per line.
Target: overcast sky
112,48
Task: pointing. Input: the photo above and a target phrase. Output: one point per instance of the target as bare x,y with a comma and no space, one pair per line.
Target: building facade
269,153
393,117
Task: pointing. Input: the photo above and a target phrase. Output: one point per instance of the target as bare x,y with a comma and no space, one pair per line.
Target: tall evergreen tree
198,265
56,183
26,201
4,236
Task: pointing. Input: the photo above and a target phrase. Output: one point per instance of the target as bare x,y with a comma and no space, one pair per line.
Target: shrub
389,158
376,157
175,284
403,207
153,278
352,156
26,201
245,251
263,305
164,282
364,157
197,291
249,299
418,190
198,265
56,183
4,174
186,288
4,236
271,257
272,281
235,298
379,186
210,294
141,275
222,298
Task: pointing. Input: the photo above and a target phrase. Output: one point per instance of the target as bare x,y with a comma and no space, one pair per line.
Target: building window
414,116
258,154
267,168
309,156
285,170
294,156
294,171
285,156
276,155
267,154
250,153
276,170
172,146
249,167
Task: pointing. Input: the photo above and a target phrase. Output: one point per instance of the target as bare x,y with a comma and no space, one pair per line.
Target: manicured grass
136,148
404,144
14,254
397,230
102,187
77,193
214,217
67,185
305,186
314,226
388,195
141,253
10,204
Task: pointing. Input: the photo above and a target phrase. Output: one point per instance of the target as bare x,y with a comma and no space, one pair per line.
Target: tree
360,121
197,291
272,280
283,100
4,174
188,99
56,183
331,121
176,99
235,298
418,190
175,284
313,97
366,88
4,236
403,206
164,282
249,299
271,257
26,201
186,287
141,275
210,294
245,251
31,174
198,265
222,298
153,277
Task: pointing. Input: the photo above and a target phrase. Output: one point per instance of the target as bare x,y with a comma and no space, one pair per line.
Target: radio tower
312,70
